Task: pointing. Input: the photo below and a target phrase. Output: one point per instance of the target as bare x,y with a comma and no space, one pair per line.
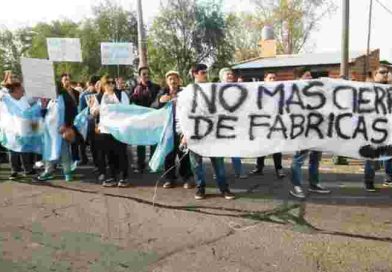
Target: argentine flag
21,125
81,123
137,125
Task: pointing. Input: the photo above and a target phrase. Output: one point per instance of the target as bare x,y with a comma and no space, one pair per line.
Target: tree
13,45
187,32
244,32
293,20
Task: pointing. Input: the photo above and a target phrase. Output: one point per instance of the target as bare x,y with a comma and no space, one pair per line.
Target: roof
313,59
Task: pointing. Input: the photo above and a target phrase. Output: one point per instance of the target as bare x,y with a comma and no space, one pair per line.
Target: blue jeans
199,171
298,162
65,158
370,172
237,165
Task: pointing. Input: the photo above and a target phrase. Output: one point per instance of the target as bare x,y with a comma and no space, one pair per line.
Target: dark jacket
145,95
157,105
71,106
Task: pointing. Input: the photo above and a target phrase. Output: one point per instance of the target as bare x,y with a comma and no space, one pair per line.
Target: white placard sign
117,53
346,118
64,49
38,78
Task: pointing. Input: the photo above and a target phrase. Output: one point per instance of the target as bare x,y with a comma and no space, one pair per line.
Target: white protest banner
117,54
346,118
64,49
38,77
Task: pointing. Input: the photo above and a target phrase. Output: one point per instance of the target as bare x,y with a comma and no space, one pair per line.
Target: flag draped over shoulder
136,125
52,139
25,130
20,128
81,123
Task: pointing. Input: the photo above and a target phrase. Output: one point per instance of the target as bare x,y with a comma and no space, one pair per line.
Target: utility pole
367,65
141,36
344,61
345,38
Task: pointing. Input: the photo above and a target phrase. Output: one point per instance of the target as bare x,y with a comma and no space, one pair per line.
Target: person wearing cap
164,96
199,74
226,75
144,95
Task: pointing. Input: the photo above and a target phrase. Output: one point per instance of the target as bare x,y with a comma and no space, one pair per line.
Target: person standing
110,149
226,75
270,77
144,95
70,98
164,96
16,94
381,77
299,158
199,74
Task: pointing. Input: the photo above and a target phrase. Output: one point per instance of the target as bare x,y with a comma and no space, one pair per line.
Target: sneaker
318,189
13,176
101,178
39,165
370,187
109,183
228,195
297,192
189,185
200,193
123,183
169,184
387,183
68,177
45,176
256,171
280,174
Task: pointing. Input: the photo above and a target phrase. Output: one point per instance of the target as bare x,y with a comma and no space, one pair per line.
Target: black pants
114,153
277,161
3,154
91,135
141,155
26,158
185,164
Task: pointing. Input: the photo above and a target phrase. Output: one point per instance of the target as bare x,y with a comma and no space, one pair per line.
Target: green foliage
110,23
188,32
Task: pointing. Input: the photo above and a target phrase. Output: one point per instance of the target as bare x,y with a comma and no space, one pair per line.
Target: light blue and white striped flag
21,128
136,125
81,122
52,139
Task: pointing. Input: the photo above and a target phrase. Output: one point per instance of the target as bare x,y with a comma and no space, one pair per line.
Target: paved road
80,226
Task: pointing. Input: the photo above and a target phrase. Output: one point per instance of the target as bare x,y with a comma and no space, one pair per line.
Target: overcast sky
327,37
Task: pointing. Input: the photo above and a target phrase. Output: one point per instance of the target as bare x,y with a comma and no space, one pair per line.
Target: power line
385,7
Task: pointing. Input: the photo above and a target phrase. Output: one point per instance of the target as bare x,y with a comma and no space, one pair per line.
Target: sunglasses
383,72
110,82
203,72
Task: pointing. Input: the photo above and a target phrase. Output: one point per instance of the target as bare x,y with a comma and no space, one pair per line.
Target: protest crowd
109,155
